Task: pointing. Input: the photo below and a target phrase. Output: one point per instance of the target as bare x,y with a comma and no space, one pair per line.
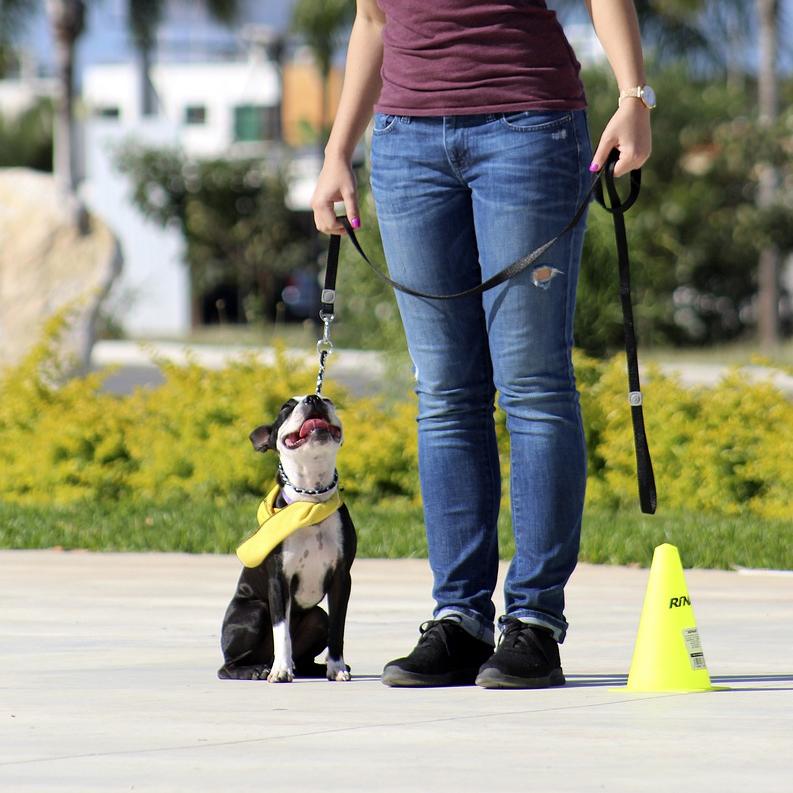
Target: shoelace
518,634
436,630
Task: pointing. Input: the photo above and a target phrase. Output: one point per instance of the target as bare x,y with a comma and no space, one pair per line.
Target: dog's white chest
308,554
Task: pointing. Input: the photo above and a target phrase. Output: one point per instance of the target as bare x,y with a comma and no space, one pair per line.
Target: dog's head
305,425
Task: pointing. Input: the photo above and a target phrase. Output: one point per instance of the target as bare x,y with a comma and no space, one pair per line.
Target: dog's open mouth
309,428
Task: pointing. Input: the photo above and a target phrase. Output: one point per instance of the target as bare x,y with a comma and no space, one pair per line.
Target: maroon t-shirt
452,57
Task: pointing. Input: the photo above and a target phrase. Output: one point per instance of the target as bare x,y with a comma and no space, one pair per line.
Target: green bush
233,217
726,450
26,139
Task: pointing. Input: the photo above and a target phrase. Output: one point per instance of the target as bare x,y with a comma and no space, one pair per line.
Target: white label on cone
694,647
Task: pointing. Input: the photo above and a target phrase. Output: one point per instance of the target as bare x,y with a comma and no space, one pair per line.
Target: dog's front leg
338,597
283,670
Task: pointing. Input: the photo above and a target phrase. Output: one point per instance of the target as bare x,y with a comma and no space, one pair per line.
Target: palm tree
145,17
769,264
67,19
321,23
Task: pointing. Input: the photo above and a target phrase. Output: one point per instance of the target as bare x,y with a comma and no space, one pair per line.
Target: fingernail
594,168
355,223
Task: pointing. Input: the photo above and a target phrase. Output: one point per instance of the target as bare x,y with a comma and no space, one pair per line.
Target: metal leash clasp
324,347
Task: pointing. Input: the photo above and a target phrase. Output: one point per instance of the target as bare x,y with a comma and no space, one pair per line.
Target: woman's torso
453,57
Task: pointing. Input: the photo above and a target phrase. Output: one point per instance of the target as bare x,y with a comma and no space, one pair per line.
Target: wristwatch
643,92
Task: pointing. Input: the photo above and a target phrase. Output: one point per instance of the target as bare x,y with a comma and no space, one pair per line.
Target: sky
188,28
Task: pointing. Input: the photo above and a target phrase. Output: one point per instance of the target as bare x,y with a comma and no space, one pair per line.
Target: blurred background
193,131
157,159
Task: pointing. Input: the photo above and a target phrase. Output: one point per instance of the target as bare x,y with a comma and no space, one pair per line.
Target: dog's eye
290,403
327,401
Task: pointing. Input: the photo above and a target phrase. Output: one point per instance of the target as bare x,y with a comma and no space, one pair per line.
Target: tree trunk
324,75
769,264
67,18
148,99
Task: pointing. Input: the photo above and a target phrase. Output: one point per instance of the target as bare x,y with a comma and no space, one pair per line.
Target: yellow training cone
668,654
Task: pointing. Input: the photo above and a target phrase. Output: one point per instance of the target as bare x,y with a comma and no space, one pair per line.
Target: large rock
47,264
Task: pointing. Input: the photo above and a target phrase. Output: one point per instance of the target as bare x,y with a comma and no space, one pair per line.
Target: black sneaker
527,657
446,655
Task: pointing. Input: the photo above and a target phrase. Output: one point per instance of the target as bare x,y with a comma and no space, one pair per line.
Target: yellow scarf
277,523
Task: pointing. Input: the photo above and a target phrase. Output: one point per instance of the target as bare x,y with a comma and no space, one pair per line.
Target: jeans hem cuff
557,627
471,622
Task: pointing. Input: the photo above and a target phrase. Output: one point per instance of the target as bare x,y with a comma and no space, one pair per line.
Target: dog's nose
313,400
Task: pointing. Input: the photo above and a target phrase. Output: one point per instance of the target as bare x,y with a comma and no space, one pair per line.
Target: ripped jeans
458,198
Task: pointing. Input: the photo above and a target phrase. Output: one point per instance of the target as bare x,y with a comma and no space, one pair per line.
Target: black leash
617,208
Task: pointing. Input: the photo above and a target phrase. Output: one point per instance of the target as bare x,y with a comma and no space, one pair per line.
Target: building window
195,114
256,123
107,111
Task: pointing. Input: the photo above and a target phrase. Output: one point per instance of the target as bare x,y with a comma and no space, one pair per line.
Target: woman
480,153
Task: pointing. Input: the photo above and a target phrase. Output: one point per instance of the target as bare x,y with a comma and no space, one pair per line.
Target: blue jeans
458,198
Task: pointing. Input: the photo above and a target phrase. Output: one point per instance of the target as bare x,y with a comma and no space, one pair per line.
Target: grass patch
391,529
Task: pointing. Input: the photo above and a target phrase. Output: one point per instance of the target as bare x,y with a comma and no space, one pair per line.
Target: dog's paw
281,674
258,672
338,670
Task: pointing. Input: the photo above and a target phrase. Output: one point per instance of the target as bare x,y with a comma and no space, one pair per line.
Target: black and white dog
274,627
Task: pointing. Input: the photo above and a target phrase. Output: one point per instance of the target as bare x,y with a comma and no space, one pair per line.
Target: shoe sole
395,677
493,678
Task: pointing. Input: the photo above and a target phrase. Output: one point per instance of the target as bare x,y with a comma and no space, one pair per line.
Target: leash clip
324,347
325,344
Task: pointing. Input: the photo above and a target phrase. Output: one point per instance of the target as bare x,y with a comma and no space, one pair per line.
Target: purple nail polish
594,168
356,223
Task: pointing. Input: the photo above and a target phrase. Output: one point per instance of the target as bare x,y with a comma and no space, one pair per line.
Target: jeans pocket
535,120
383,123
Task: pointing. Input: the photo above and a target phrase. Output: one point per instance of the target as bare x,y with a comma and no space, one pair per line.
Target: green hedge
726,450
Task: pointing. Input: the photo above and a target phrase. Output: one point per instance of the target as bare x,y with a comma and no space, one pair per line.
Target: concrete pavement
107,683
361,371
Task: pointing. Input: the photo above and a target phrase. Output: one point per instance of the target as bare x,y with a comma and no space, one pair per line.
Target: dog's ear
260,438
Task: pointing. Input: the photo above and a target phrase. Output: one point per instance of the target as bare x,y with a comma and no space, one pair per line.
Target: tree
769,263
144,18
26,139
13,16
715,38
321,23
232,214
67,19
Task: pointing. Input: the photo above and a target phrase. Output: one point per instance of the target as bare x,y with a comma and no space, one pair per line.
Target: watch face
648,96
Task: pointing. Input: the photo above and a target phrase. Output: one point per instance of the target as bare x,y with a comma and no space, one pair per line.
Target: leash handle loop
616,203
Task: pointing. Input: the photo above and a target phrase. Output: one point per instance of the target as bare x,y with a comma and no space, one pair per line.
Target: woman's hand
336,183
629,131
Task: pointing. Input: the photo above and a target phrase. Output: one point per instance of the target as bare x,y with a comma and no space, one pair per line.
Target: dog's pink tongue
313,424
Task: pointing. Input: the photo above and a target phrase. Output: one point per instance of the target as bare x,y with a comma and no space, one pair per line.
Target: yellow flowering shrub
727,449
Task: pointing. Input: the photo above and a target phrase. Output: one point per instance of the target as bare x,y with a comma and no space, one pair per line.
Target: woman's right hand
336,183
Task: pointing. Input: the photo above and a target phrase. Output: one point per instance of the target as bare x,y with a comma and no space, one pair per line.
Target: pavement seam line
218,744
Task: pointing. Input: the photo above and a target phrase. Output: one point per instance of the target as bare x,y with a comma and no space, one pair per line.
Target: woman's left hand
629,131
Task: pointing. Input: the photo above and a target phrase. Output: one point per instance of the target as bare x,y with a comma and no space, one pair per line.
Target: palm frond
225,11
144,18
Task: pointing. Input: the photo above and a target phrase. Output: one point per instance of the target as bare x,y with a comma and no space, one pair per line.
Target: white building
210,109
